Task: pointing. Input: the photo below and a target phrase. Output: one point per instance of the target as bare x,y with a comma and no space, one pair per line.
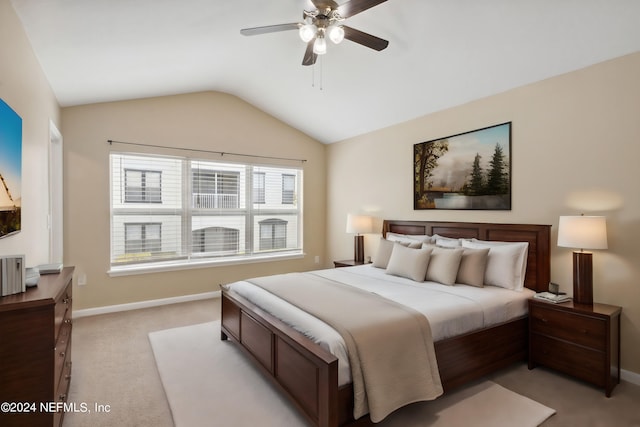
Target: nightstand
346,263
580,340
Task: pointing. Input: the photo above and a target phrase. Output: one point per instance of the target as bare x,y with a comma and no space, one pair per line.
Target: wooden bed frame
308,374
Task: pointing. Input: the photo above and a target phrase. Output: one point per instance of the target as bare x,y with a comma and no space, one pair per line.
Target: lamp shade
583,232
336,33
307,32
320,45
359,224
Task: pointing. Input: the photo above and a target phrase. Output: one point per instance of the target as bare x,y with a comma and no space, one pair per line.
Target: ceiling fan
326,21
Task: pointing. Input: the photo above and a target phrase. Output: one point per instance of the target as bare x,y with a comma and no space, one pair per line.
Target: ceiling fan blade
309,56
364,39
323,4
354,7
269,29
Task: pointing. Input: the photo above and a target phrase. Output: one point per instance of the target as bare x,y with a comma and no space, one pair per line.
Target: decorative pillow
422,238
381,259
506,262
409,263
443,265
472,267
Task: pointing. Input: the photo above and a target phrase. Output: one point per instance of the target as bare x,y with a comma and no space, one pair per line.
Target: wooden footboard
303,370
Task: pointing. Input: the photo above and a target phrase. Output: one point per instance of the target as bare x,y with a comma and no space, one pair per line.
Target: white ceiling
441,53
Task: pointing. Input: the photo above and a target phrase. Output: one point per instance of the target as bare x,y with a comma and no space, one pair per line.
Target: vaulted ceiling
441,53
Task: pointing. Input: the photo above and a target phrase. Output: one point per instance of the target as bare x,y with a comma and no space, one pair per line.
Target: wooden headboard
539,256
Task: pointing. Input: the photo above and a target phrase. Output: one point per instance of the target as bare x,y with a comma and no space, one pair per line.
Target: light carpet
209,382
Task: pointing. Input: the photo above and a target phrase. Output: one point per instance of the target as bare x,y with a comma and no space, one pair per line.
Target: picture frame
466,171
10,170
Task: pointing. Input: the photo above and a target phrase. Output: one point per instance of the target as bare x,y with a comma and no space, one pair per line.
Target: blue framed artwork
470,170
10,170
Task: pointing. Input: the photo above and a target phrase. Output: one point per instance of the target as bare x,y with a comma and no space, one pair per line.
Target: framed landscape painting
470,170
10,170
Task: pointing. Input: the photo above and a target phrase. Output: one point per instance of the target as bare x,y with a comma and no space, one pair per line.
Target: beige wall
24,87
207,121
575,148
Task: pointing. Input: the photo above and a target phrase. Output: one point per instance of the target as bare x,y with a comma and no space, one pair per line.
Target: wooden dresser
577,339
35,352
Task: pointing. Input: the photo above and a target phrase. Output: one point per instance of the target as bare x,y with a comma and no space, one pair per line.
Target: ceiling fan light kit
307,32
336,33
326,20
320,45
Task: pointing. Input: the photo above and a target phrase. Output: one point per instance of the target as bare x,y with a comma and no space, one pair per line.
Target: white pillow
506,263
409,263
472,267
443,265
410,238
446,242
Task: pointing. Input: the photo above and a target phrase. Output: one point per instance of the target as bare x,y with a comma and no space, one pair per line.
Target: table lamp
582,232
359,224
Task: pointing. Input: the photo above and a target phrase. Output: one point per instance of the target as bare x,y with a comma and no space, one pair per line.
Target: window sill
191,264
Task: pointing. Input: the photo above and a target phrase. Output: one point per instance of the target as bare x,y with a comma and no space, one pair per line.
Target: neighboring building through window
215,189
142,237
259,187
273,234
288,189
182,209
216,239
142,186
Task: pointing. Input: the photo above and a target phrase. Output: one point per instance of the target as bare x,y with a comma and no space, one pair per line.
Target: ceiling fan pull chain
321,61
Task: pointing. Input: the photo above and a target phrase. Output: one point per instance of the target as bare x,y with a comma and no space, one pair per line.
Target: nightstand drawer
576,328
588,365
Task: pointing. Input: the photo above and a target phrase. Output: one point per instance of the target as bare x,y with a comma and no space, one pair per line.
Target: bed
308,374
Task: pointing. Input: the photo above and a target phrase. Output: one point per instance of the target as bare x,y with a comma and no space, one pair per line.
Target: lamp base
583,277
358,248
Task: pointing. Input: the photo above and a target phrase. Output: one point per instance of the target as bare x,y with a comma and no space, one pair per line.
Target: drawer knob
544,320
62,397
68,321
65,301
62,354
584,331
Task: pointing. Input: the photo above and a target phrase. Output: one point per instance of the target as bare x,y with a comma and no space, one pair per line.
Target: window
273,234
142,186
215,239
141,238
182,210
258,187
215,189
288,189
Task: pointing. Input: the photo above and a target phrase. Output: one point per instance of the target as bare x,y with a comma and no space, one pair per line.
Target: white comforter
451,310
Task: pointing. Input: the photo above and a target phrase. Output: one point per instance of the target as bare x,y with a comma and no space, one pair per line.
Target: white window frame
253,211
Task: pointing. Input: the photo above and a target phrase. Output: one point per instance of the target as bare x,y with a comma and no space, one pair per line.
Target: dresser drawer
62,391
576,328
586,364
62,353
62,310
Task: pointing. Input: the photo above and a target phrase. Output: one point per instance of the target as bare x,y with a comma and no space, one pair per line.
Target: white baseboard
143,304
629,376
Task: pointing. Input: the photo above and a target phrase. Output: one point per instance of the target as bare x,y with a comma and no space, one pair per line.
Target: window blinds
184,209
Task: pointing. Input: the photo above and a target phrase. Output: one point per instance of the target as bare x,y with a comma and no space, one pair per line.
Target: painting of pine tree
471,170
